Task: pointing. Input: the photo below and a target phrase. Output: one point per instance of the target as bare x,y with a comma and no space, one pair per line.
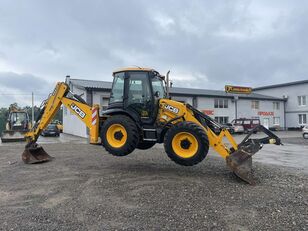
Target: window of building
302,118
255,104
195,102
222,119
216,103
276,120
220,103
225,103
276,105
104,103
301,100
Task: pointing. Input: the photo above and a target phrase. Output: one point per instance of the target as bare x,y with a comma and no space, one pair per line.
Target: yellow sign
238,90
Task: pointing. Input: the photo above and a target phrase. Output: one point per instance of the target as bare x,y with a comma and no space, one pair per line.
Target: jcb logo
172,109
78,110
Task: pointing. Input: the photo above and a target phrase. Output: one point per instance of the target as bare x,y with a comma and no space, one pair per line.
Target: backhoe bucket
35,154
12,136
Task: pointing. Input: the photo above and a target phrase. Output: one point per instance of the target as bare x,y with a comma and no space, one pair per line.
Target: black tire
201,139
132,135
143,145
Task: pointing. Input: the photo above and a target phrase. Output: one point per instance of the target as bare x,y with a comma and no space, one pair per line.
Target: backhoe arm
87,114
49,108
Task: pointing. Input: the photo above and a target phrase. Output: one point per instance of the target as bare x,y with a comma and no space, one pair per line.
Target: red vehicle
248,124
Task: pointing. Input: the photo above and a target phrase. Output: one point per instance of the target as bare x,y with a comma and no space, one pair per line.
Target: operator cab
18,120
137,91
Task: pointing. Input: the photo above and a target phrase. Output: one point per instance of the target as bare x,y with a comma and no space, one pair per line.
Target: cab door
139,96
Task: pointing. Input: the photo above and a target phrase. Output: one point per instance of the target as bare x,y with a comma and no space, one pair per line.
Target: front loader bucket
12,136
35,154
240,162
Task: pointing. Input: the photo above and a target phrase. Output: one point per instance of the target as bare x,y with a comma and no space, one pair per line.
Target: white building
93,92
296,104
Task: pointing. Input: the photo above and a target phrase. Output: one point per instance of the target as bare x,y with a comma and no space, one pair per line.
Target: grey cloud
19,87
236,42
23,82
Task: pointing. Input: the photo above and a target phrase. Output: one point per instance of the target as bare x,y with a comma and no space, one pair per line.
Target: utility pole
32,109
235,104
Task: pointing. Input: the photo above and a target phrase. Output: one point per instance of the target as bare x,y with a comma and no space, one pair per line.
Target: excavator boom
61,95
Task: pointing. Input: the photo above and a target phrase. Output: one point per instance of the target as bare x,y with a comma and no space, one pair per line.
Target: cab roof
132,69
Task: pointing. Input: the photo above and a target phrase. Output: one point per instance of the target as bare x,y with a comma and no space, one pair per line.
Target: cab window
138,90
158,87
118,88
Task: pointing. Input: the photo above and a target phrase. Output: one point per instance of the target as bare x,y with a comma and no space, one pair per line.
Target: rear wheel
186,143
119,135
143,145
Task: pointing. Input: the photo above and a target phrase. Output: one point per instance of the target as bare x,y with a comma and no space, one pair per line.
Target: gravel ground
84,188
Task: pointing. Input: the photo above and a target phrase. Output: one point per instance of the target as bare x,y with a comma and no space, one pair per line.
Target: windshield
158,86
51,126
18,117
237,122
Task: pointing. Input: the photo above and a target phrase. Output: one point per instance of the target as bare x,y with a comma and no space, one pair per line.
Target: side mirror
157,94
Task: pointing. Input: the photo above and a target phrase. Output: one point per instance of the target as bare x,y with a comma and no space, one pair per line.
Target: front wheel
186,143
119,135
305,135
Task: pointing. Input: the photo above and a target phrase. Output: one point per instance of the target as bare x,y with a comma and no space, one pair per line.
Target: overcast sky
205,44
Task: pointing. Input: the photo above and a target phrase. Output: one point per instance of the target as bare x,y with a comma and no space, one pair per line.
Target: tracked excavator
141,114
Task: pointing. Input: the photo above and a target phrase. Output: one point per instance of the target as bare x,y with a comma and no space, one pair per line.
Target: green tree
4,113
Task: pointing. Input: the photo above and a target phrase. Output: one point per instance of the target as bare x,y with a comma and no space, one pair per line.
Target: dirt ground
84,188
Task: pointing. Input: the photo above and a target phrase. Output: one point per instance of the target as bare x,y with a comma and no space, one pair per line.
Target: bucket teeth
34,155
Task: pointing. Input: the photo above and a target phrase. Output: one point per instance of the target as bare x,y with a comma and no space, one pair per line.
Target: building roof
91,84
281,85
104,85
218,93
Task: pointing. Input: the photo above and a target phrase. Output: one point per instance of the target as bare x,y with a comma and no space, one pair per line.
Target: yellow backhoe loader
139,115
17,125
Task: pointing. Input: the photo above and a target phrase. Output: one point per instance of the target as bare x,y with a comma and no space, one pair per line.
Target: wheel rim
306,135
185,144
116,135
